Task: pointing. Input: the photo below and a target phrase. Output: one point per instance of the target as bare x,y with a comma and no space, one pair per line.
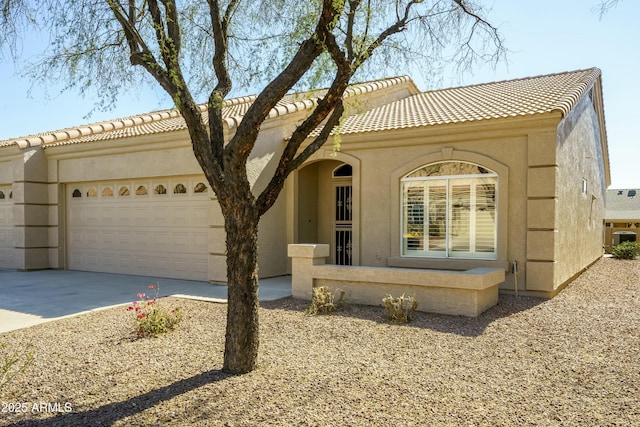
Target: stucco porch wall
466,293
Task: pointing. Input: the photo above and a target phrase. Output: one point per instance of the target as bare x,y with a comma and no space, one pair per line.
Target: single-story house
622,217
509,175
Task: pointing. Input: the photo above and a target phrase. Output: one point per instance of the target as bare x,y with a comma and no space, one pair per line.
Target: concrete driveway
29,298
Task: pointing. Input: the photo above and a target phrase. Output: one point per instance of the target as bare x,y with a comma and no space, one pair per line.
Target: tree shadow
110,413
508,305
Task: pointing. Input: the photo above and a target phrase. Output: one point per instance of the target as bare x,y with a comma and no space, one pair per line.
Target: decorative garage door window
449,211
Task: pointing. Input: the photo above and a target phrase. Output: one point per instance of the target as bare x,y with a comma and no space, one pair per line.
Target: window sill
445,263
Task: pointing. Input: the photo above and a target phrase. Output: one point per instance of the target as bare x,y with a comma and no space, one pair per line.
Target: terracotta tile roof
512,98
170,120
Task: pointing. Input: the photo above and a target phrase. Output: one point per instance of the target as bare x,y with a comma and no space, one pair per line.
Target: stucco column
303,258
542,204
31,210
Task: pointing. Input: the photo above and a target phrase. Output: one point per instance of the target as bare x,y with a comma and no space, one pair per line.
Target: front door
343,224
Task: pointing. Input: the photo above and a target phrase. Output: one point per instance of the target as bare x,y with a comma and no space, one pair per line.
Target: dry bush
401,309
324,301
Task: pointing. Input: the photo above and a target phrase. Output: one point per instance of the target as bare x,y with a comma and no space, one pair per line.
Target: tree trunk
242,334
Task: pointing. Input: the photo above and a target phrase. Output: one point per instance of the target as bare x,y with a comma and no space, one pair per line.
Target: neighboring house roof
170,120
622,204
512,98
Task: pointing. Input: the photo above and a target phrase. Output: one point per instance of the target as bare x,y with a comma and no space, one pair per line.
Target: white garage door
148,227
6,228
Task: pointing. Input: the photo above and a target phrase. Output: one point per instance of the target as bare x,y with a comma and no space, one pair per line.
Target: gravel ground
570,361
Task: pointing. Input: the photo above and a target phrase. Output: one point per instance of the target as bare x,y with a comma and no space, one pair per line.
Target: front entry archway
326,209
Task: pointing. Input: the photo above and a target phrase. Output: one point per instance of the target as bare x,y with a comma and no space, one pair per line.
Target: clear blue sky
543,37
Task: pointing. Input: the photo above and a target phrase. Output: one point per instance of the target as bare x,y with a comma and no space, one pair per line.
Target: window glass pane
413,233
437,208
485,217
200,188
344,170
459,218
449,169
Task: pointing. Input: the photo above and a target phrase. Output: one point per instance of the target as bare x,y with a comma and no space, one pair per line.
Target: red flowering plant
151,319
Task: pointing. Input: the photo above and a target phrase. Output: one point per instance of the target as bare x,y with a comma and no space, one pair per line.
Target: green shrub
626,250
401,309
13,362
324,301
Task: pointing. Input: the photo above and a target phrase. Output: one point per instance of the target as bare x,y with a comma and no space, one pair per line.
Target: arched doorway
325,206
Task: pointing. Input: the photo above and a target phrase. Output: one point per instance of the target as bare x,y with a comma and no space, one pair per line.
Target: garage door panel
200,240
177,216
92,238
124,264
124,239
199,215
109,216
109,237
161,235
92,215
109,261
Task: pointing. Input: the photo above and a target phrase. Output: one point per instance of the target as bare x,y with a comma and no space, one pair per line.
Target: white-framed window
449,210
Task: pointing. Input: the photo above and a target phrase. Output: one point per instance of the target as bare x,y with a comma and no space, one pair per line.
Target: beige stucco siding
6,171
158,157
385,157
579,214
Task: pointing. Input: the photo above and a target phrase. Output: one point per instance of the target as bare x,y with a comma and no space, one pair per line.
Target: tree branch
240,146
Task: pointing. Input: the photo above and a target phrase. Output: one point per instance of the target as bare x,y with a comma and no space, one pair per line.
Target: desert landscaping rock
570,361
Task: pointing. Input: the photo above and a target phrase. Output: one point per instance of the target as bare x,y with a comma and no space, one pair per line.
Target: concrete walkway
29,298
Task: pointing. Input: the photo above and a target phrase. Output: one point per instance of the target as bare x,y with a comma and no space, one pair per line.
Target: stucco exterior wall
386,157
7,223
163,156
6,171
551,191
581,192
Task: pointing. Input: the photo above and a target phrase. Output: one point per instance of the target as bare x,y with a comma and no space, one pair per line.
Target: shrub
401,309
324,301
626,250
151,319
13,362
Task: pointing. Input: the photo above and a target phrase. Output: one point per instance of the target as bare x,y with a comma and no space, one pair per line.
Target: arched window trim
443,203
